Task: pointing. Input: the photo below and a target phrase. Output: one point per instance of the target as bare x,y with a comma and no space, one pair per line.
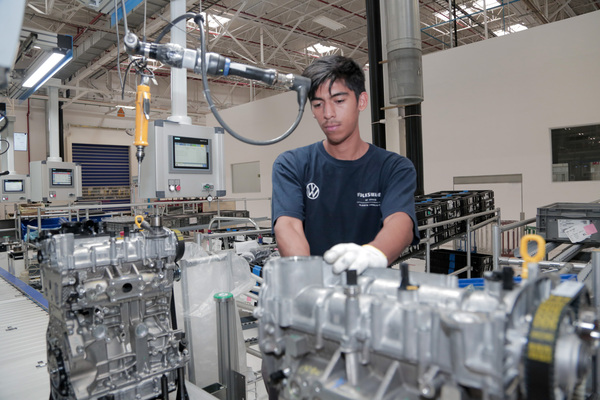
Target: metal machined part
109,332
427,339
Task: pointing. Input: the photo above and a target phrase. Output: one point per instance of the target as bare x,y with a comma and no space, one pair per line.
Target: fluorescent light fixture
488,4
518,27
215,21
442,15
44,69
126,107
511,29
328,23
321,49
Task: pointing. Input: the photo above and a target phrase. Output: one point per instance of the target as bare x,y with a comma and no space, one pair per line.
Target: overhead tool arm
218,65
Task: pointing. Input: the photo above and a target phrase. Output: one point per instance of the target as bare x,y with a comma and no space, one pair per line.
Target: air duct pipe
179,75
405,70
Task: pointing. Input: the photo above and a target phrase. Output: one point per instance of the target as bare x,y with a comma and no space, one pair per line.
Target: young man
343,198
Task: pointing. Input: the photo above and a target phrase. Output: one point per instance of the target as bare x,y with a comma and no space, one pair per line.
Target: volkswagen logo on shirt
312,191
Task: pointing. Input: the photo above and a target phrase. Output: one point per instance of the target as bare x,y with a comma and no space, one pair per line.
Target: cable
140,66
7,146
302,101
3,121
170,25
119,51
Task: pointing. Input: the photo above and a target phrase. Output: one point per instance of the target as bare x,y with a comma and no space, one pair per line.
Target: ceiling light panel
329,23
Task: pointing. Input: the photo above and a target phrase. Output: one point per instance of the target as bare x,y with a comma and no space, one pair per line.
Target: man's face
337,110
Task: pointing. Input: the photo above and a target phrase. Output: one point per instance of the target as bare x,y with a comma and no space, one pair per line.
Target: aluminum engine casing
110,334
327,340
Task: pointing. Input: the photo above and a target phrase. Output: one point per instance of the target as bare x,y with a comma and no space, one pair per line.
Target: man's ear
363,101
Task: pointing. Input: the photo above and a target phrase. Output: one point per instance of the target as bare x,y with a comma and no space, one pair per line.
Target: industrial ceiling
285,35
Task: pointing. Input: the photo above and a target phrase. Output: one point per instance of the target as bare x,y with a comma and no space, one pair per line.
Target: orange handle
142,115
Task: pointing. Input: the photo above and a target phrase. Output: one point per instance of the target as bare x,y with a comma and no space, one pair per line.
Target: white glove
345,256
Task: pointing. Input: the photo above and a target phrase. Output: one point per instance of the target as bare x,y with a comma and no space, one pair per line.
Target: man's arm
291,241
395,235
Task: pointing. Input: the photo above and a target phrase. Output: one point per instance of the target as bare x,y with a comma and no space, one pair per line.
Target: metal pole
39,218
179,75
449,19
227,343
596,294
496,245
428,251
414,143
469,248
187,321
52,120
596,280
485,19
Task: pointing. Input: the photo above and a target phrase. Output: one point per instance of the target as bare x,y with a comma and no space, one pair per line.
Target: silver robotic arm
218,65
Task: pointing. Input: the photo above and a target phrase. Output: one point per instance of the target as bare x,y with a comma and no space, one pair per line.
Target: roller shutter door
105,172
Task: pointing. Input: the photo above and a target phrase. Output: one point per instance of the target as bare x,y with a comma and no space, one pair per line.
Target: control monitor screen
62,177
191,153
13,186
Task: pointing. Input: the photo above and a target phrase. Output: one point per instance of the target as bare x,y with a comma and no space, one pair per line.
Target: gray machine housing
324,338
43,188
161,178
14,188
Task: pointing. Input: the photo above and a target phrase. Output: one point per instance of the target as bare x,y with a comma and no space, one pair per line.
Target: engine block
325,336
110,333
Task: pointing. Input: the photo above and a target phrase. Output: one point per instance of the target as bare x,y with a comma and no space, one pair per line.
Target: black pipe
61,132
164,385
376,73
455,25
414,142
172,308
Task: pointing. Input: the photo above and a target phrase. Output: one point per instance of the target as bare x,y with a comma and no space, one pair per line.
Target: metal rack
470,228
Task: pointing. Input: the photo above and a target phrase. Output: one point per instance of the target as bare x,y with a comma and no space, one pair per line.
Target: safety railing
470,227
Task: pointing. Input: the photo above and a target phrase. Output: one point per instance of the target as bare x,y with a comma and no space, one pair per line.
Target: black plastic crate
486,194
448,261
487,204
235,213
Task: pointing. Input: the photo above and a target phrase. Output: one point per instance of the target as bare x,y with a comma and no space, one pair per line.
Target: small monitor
13,186
61,177
191,153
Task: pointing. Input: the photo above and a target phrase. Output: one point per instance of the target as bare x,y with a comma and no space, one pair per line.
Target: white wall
489,108
72,134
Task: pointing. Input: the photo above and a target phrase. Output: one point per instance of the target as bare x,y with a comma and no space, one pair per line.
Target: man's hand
345,256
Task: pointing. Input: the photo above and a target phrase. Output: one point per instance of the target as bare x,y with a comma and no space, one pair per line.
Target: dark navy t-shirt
342,201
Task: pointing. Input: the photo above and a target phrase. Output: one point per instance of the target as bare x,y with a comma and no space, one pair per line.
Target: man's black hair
334,68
